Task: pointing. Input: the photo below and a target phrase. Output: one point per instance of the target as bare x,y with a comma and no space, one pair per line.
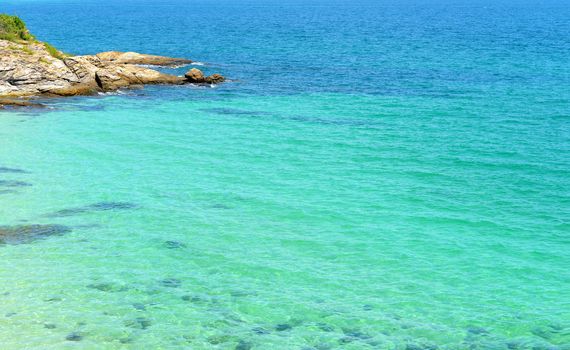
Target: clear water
380,176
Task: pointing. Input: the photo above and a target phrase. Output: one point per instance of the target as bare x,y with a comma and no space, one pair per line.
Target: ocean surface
377,175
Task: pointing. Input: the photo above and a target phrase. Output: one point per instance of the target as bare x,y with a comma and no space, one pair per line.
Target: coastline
30,69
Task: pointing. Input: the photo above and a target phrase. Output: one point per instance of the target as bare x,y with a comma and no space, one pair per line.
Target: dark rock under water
244,345
95,207
171,282
12,170
22,234
260,331
139,323
283,327
233,111
7,192
75,336
14,183
108,287
174,245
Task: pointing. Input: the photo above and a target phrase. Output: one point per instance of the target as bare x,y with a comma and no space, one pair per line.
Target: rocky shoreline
31,69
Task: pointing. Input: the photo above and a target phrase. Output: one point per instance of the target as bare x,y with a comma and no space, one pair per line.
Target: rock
12,170
14,183
215,79
139,306
29,233
244,345
19,103
346,340
139,322
477,330
31,68
174,245
100,206
220,206
103,287
325,327
195,76
137,58
283,327
75,336
260,331
171,282
74,90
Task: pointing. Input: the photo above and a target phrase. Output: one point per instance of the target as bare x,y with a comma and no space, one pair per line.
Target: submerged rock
13,183
260,331
477,330
75,336
283,327
244,345
139,322
101,206
325,327
174,245
108,287
19,103
139,306
11,170
29,233
171,282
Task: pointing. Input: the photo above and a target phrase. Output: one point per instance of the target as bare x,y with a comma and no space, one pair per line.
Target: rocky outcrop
30,68
195,76
137,58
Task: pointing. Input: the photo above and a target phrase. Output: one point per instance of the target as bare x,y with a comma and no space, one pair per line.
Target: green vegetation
55,53
21,48
12,28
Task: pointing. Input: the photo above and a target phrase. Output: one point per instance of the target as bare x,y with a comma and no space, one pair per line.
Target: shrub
13,28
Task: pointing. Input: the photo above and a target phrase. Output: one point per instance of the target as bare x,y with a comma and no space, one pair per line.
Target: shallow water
402,183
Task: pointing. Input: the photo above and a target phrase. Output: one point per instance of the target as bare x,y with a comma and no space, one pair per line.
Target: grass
12,28
21,48
55,53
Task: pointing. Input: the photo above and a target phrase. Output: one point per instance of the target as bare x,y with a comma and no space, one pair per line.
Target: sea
374,175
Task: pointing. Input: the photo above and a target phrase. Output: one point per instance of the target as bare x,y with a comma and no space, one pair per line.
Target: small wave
154,66
198,64
113,93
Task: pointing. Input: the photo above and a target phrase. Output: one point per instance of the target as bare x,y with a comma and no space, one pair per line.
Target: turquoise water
402,183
